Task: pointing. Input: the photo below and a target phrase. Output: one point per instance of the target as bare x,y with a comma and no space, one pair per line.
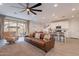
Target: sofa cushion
32,35
36,41
39,42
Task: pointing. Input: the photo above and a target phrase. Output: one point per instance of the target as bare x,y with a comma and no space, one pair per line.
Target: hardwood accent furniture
10,37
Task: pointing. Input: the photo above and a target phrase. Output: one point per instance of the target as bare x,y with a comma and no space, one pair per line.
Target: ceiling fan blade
39,4
33,12
37,10
23,10
27,4
16,7
21,4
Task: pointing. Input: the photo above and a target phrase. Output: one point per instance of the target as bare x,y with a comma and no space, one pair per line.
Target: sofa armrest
49,44
27,36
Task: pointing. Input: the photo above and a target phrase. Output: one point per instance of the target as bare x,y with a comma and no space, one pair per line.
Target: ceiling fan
29,9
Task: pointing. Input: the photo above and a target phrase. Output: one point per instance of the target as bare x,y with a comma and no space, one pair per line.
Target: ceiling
51,11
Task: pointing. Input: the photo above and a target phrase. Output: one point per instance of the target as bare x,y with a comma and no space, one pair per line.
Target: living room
58,19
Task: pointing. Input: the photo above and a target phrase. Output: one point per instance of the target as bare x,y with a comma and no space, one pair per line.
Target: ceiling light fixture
53,15
55,5
72,16
28,10
73,9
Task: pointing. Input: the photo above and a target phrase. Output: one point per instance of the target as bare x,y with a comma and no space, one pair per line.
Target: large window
21,29
6,24
15,26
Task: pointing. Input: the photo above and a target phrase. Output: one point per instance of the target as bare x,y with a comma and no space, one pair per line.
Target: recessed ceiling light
55,5
72,16
73,9
53,15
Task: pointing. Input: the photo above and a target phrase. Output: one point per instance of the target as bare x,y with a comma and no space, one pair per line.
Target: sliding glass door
15,26
21,29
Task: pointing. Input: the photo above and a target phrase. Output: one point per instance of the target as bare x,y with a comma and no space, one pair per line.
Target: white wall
74,28
71,26
35,27
63,24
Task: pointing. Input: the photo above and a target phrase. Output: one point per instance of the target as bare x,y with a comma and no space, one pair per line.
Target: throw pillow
31,35
47,37
37,35
42,35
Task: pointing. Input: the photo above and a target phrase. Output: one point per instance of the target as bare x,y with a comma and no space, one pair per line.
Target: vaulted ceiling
51,11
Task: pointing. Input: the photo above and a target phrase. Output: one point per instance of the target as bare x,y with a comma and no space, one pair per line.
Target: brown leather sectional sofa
40,43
